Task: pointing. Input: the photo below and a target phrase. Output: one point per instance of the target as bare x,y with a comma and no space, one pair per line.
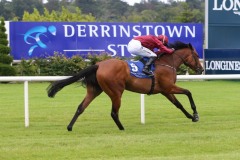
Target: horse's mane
178,45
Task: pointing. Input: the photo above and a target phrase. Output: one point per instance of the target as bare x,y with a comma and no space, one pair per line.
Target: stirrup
148,72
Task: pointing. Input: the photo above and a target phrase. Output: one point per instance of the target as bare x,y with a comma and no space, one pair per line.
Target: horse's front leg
174,100
193,106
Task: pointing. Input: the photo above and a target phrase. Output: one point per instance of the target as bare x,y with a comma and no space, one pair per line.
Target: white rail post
26,108
142,109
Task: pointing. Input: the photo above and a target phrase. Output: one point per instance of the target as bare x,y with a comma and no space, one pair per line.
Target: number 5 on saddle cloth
136,68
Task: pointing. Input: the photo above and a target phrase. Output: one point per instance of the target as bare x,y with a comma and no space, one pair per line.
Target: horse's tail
88,74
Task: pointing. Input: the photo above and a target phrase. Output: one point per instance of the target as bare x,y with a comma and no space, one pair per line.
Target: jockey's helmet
163,38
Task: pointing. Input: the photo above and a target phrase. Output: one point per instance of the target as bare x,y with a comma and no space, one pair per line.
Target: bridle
194,58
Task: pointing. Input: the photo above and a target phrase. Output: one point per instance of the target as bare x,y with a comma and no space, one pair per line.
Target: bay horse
112,76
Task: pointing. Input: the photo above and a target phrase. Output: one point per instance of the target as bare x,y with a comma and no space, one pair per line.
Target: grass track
167,134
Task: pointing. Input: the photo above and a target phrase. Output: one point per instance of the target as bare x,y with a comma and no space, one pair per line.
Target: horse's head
193,60
189,56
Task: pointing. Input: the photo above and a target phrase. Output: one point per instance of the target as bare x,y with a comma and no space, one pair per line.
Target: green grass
167,134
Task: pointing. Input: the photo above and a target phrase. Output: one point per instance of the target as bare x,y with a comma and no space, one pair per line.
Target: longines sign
223,24
224,11
223,53
222,65
220,61
227,5
41,39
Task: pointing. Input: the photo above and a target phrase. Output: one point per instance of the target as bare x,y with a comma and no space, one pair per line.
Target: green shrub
7,70
3,35
183,69
2,26
4,42
60,65
27,68
4,49
94,58
6,59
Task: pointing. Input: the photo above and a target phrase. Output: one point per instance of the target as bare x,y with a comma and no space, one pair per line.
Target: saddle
136,68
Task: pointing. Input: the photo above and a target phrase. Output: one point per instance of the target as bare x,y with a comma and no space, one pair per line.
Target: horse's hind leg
116,103
91,94
79,111
115,94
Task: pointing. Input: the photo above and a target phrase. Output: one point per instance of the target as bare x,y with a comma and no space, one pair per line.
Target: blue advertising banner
42,39
223,24
222,61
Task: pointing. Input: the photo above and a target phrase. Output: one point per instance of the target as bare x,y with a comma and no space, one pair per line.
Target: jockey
145,45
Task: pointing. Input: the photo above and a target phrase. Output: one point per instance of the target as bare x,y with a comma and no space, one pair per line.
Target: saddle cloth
136,68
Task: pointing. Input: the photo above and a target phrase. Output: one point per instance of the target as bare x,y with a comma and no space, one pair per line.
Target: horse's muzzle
199,70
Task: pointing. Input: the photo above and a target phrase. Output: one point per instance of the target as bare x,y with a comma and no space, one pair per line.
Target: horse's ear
190,45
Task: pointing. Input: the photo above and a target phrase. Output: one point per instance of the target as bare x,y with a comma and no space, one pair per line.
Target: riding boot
146,68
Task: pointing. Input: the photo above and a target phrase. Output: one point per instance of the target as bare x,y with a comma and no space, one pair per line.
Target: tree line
103,11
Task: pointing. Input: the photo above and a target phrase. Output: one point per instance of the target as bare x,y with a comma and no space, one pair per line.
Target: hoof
69,128
195,118
121,129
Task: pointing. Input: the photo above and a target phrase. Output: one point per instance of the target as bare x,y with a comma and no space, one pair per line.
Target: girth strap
152,85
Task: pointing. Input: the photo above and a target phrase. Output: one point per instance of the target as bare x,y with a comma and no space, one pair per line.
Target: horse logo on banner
35,37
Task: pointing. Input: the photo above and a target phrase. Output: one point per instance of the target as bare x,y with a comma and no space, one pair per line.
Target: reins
165,65
192,59
182,59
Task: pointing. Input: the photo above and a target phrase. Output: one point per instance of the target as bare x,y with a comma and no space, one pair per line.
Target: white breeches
135,47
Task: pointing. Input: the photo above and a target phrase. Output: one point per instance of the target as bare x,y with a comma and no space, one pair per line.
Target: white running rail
27,79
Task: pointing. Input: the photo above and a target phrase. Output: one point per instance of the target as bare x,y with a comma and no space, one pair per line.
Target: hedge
60,65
